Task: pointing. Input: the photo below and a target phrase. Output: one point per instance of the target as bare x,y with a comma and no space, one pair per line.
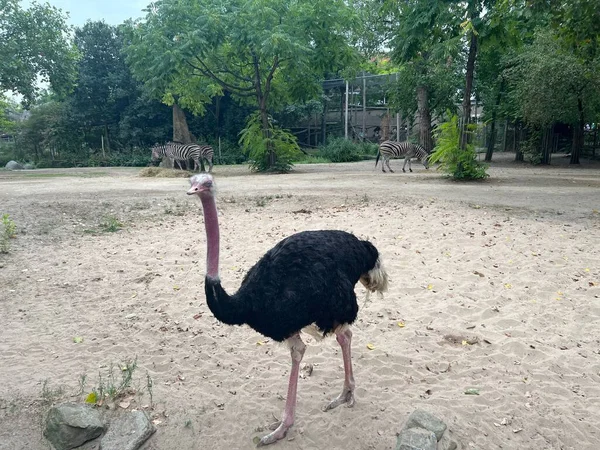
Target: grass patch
51,395
312,159
159,172
7,232
111,224
116,383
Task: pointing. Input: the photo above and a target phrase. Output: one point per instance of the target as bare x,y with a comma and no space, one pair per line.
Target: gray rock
13,165
422,419
69,425
446,443
416,439
128,432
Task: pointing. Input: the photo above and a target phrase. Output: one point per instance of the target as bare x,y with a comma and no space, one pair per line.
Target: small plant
111,224
111,387
8,232
458,163
149,385
262,201
49,395
270,150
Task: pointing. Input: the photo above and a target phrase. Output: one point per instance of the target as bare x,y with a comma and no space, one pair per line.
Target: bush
258,147
231,153
457,163
343,150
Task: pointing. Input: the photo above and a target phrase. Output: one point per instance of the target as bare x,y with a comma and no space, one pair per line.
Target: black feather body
306,278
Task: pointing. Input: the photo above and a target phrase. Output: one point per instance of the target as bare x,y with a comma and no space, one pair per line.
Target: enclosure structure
356,109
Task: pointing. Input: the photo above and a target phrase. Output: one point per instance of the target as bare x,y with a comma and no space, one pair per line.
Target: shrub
343,150
258,147
458,163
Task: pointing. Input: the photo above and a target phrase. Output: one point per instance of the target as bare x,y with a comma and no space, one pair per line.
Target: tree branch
238,90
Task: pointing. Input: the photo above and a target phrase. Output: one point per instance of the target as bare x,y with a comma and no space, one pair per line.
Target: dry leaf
508,285
260,343
125,403
430,286
370,346
401,324
176,288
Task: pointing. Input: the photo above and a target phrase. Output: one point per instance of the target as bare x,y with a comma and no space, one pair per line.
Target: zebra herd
387,150
393,149
184,152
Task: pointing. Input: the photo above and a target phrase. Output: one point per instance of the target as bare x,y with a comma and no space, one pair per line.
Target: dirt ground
494,287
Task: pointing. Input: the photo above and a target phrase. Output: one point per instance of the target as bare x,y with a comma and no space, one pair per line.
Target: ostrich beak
200,183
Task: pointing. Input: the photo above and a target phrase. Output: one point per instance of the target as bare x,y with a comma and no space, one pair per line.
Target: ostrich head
202,185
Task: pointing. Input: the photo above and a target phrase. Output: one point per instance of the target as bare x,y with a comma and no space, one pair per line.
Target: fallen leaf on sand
472,391
401,324
78,339
370,346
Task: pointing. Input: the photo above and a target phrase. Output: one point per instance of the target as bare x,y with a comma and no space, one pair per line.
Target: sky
112,12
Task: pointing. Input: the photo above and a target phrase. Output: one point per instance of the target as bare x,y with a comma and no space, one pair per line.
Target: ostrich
305,282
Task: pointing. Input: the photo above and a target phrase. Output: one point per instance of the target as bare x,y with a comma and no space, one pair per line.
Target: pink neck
211,223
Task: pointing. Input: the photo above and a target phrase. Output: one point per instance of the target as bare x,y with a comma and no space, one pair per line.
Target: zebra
393,149
182,152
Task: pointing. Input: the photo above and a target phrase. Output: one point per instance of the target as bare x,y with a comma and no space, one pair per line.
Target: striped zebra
393,149
183,152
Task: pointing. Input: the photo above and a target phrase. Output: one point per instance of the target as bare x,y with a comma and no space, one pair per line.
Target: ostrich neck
211,223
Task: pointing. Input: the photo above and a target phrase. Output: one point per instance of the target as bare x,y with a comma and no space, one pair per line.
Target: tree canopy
237,71
35,46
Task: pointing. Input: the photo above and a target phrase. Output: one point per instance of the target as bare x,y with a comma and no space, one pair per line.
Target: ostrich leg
344,338
297,349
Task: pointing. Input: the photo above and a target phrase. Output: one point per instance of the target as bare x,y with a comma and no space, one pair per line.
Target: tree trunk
264,116
324,120
468,90
181,132
506,136
546,147
492,140
518,139
106,137
424,117
578,135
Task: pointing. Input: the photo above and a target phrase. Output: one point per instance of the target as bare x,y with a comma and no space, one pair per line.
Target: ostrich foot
281,429
410,170
347,396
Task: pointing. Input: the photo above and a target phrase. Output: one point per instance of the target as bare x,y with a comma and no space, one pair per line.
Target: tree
551,84
35,47
425,43
104,84
262,52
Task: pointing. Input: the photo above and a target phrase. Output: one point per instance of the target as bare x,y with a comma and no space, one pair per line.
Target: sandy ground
494,287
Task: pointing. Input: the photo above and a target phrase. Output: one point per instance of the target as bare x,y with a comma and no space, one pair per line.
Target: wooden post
346,114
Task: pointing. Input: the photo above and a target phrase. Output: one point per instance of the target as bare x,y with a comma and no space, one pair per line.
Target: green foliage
344,150
547,81
35,47
231,153
112,387
457,163
268,150
111,224
264,53
8,232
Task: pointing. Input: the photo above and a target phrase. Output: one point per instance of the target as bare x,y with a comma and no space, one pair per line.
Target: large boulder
13,165
70,425
416,439
128,432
